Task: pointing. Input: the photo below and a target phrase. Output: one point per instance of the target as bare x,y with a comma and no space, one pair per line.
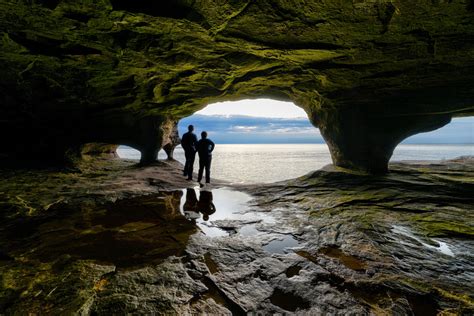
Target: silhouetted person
205,205
189,144
190,207
205,147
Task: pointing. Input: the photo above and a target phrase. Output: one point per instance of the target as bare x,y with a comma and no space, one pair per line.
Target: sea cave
83,231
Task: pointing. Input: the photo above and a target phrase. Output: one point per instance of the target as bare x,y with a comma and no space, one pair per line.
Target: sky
267,121
238,129
256,108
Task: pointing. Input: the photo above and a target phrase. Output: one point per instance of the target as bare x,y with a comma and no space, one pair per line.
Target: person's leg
186,164
208,170
191,159
201,169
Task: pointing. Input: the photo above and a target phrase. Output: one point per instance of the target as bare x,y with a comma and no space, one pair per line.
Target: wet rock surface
326,243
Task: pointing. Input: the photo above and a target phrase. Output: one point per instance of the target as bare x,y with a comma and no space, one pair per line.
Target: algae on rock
369,74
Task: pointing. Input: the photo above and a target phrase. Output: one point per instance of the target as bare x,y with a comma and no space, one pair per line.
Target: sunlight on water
431,152
266,163
223,212
205,206
282,245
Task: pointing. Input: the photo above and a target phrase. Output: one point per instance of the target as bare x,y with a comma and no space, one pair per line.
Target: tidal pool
125,233
281,245
225,212
137,231
220,212
205,207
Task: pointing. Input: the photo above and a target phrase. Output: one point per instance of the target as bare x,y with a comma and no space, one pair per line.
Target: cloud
248,129
294,130
243,129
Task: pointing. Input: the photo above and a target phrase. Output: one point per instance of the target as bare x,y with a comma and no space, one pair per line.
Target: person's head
204,134
190,128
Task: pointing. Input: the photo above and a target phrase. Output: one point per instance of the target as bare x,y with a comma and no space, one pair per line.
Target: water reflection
282,245
224,212
192,207
126,233
134,231
213,207
205,205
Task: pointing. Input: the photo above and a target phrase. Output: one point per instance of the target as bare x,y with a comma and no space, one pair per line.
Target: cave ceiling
368,73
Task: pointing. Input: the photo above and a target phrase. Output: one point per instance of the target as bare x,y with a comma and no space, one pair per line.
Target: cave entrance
453,140
260,140
127,152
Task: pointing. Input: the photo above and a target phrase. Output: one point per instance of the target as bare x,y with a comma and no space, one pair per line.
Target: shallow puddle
349,261
218,212
409,239
136,231
210,263
282,245
288,301
224,212
126,233
293,271
249,230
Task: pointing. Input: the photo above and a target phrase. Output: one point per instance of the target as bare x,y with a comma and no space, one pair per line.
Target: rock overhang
369,74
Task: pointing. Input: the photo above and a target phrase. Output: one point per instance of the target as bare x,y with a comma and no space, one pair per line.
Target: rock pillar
149,138
171,137
363,139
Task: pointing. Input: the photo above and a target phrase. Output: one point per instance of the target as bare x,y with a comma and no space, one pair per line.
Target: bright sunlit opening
257,108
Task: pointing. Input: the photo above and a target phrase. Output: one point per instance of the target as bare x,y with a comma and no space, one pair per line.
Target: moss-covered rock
112,238
368,73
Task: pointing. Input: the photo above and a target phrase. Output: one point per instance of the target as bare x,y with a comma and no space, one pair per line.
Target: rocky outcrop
171,139
329,242
368,73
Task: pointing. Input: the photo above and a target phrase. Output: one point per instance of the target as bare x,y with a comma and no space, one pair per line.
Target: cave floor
113,237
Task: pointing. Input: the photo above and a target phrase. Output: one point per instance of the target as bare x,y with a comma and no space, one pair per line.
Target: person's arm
183,142
198,144
195,143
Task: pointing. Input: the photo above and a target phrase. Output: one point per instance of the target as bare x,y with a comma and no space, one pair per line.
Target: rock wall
368,73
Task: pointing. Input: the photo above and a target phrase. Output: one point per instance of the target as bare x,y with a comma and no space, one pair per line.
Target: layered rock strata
121,243
368,73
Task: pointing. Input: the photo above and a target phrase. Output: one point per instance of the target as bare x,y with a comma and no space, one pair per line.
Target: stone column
149,138
171,137
363,139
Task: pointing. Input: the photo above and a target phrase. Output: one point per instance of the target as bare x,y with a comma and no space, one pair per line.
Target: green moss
435,226
328,57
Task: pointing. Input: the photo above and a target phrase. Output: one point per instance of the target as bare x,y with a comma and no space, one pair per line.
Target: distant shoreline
296,143
322,143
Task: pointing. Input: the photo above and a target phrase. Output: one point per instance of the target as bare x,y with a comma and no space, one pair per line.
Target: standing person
205,147
189,144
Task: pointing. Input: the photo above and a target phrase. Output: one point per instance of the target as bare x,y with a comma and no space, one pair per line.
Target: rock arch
369,74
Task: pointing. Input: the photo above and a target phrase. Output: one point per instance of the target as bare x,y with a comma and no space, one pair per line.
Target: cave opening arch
453,140
258,140
245,130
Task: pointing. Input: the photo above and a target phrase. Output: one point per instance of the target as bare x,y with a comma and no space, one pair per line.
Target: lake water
265,163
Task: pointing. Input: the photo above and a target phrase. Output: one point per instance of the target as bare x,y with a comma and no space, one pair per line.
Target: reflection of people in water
205,205
190,206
